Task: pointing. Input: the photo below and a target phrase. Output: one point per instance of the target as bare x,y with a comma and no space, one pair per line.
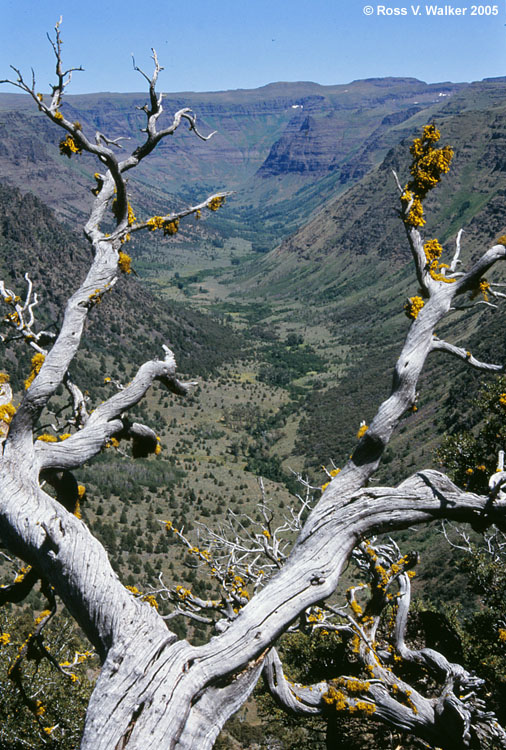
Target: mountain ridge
249,122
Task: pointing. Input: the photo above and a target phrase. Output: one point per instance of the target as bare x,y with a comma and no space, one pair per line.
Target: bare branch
456,261
463,354
169,219
106,421
297,699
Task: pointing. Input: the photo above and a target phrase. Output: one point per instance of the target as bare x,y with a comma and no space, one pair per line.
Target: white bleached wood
155,691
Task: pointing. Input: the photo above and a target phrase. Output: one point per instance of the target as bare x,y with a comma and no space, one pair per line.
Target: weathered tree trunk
155,691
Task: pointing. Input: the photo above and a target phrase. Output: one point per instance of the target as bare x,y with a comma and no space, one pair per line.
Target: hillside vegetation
293,348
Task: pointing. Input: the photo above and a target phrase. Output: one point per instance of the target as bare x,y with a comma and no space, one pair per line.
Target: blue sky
206,45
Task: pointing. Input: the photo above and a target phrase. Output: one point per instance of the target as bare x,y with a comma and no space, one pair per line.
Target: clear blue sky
209,45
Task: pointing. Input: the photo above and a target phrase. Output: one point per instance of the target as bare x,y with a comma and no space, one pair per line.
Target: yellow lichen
7,412
150,599
68,146
37,362
45,613
216,203
100,183
483,288
171,227
413,307
355,606
124,262
131,218
362,430
183,593
156,222
428,164
336,697
433,250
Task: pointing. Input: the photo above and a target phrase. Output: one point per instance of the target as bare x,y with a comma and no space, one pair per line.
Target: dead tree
155,690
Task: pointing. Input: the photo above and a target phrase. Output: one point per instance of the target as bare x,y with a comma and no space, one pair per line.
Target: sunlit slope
357,238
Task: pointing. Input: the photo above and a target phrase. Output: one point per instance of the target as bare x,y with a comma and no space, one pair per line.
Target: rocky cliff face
285,149
361,228
286,129
338,129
